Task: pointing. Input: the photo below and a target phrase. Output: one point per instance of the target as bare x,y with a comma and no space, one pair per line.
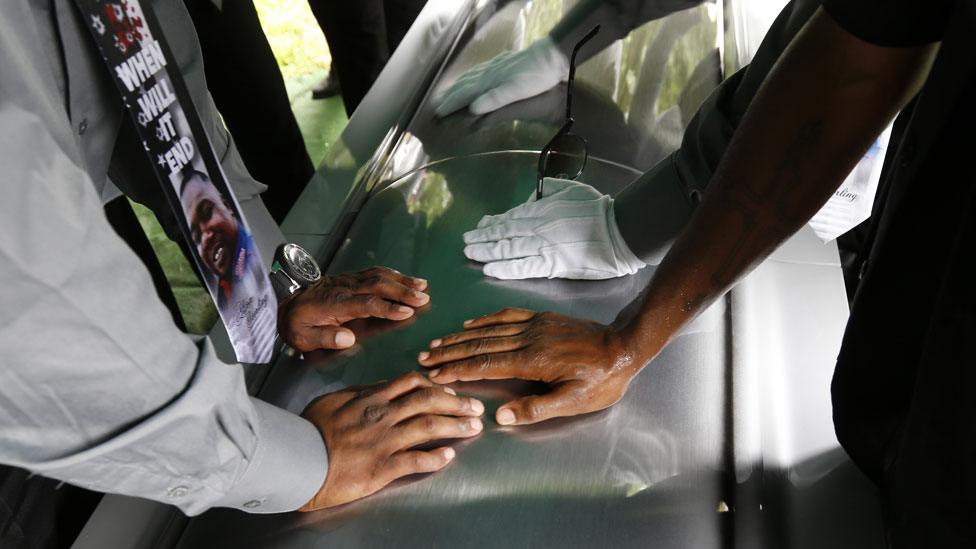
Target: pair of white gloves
569,233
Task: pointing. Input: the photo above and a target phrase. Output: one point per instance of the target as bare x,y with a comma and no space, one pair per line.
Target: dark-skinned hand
371,433
313,318
583,362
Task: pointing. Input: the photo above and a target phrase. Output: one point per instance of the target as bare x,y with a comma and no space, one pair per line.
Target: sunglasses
564,156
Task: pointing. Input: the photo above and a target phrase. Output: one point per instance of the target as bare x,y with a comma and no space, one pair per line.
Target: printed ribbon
133,47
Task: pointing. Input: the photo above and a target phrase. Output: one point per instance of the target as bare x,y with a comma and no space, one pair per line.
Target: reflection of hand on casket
509,77
313,318
371,433
583,362
444,135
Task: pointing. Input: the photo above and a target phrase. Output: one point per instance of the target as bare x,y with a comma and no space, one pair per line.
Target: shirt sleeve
617,18
892,23
98,387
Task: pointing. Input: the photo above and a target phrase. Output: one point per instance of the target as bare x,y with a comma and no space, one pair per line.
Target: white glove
570,233
509,77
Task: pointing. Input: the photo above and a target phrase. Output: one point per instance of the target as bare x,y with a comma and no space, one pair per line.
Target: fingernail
468,321
475,425
421,296
435,343
405,310
434,373
424,355
477,407
450,391
449,453
505,416
419,282
345,339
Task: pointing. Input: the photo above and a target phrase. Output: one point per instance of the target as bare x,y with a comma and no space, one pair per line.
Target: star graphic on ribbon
131,10
121,45
97,24
160,160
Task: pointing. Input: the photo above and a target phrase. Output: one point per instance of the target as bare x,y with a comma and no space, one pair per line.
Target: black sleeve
892,23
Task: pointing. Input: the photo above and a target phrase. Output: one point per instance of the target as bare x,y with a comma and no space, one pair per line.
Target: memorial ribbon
156,97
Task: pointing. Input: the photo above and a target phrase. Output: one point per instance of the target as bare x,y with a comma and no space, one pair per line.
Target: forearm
827,98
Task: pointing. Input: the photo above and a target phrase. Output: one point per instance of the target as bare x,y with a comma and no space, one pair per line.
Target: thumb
536,408
331,337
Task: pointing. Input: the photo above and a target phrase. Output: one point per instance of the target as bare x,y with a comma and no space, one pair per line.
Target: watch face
301,264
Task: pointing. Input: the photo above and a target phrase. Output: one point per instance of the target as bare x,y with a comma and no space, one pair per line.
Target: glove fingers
516,269
499,231
523,211
470,85
529,210
508,248
552,186
461,92
516,85
498,97
454,98
489,220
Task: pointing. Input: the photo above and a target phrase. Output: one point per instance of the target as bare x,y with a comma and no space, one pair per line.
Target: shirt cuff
288,468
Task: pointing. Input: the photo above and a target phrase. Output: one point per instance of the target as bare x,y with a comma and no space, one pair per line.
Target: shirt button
83,126
253,504
177,492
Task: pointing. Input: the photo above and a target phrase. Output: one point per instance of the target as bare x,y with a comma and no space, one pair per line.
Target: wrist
563,37
551,57
633,346
282,323
627,261
293,270
626,359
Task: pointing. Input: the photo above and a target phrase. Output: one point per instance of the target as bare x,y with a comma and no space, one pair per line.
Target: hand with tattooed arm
821,107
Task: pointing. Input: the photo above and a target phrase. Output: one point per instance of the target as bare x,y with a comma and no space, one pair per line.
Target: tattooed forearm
747,202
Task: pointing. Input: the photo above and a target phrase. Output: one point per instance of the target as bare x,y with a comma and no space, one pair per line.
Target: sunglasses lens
566,157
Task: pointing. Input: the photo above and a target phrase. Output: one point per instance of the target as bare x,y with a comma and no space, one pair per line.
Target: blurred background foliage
295,37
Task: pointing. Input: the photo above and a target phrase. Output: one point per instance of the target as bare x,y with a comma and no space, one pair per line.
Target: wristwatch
293,269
